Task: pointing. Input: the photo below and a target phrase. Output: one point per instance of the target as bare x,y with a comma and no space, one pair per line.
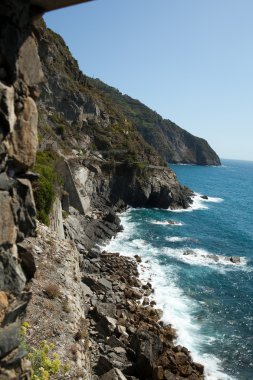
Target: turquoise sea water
207,298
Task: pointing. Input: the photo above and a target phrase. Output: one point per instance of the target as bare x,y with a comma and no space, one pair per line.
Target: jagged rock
213,257
6,182
24,208
8,231
103,366
133,293
112,341
147,347
8,116
199,367
181,358
4,303
24,141
235,259
97,284
158,373
121,330
12,277
145,301
30,69
15,312
9,339
104,309
113,374
169,375
86,290
27,260
189,252
105,283
138,258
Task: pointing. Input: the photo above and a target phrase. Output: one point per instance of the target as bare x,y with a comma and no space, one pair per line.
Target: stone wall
20,74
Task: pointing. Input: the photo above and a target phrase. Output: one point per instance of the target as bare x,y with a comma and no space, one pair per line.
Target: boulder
104,309
147,347
121,330
113,374
213,257
138,258
97,284
103,366
9,339
235,259
27,260
158,373
114,342
169,375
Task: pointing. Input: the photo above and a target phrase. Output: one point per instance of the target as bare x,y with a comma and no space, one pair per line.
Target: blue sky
189,60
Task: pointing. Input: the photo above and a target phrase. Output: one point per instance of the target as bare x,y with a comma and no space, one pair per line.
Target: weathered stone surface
103,366
3,304
8,231
113,374
7,114
104,309
9,339
169,375
15,312
29,64
158,373
148,347
27,260
6,182
23,143
12,277
24,208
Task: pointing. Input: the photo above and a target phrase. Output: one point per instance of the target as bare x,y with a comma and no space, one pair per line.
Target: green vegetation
169,140
45,362
46,186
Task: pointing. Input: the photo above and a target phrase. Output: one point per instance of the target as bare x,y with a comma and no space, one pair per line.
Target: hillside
173,143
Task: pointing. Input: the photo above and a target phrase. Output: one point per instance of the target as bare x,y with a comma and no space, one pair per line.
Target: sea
207,297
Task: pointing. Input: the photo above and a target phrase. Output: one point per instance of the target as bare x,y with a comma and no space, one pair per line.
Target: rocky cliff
91,163
94,136
173,143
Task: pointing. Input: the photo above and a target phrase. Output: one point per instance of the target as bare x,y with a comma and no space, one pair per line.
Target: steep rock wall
20,74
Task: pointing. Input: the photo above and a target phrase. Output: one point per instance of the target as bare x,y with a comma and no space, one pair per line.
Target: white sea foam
202,257
175,239
199,203
166,223
179,310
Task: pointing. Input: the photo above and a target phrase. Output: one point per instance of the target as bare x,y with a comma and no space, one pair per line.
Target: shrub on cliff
45,187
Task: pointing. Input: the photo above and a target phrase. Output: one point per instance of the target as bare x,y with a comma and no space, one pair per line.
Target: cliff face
92,163
173,143
20,74
79,121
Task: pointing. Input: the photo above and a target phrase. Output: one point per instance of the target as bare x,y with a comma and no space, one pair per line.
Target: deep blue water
208,299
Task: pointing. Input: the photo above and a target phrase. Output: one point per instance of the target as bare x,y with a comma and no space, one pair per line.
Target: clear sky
189,60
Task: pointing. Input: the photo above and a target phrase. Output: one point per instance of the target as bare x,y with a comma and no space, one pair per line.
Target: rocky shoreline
102,319
127,336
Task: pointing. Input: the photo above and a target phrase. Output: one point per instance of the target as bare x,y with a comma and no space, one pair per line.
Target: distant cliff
173,143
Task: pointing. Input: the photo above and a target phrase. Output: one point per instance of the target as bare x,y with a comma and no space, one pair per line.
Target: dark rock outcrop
20,74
